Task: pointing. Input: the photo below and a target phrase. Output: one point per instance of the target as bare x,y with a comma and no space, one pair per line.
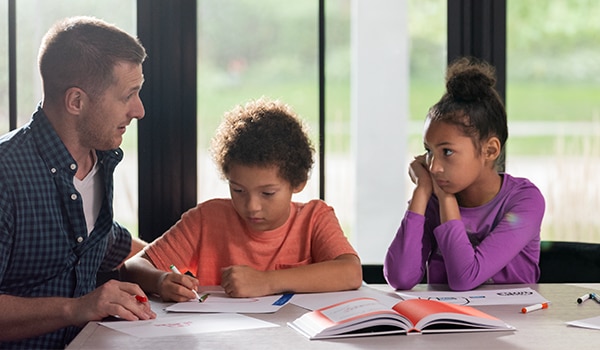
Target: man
56,189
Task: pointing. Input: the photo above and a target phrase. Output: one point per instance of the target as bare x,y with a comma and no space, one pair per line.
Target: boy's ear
492,148
299,188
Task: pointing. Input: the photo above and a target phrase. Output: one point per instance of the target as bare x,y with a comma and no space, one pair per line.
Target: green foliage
553,40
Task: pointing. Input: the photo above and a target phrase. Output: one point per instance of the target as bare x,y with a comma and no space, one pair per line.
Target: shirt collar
53,150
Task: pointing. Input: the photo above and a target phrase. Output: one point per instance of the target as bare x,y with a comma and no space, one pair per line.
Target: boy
258,242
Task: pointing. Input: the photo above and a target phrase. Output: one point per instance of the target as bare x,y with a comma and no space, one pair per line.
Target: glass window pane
411,47
34,18
248,49
553,106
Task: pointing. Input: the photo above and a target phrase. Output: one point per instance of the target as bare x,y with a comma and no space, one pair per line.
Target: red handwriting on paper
174,325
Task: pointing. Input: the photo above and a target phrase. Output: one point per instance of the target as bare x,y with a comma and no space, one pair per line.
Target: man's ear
492,148
299,188
74,100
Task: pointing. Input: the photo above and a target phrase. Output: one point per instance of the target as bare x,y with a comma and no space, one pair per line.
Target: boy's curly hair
264,133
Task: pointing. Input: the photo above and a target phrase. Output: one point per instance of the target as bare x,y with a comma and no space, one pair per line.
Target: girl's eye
427,155
268,194
448,152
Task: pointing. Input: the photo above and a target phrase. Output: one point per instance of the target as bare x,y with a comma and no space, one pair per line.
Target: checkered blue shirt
44,245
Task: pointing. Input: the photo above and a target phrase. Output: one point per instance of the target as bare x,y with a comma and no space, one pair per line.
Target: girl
466,224
258,242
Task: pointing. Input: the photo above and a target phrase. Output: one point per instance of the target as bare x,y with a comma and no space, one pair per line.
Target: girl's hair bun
468,79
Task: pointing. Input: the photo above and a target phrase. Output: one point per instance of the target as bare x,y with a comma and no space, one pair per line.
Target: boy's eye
268,193
448,152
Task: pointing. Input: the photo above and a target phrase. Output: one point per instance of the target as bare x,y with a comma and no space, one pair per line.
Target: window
249,49
553,85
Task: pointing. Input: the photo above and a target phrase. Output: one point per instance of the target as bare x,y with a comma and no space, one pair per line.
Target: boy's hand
176,287
244,282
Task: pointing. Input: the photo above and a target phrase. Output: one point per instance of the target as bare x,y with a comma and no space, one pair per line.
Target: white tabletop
544,329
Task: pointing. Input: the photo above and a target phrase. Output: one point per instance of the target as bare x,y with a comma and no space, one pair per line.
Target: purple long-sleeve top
498,242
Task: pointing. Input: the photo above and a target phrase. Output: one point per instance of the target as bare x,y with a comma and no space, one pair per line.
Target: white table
544,329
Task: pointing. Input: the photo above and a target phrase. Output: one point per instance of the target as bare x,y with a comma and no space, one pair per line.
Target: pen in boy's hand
203,297
176,270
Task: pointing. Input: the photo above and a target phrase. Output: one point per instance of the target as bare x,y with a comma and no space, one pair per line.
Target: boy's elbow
354,274
356,279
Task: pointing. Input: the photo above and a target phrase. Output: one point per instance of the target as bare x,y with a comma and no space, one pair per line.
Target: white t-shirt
91,192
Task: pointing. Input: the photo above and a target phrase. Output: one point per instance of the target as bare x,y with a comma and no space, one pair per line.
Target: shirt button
73,196
79,239
73,166
53,170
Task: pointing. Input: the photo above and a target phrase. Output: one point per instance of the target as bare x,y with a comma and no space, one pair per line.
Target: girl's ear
492,148
299,188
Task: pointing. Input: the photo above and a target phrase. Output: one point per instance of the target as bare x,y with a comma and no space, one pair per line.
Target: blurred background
253,48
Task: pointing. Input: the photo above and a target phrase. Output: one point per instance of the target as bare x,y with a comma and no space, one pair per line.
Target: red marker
141,299
535,307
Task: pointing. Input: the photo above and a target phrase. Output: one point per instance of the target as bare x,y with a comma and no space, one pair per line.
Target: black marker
583,298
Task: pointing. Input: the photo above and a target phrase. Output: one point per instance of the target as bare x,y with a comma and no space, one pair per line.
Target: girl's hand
449,209
419,174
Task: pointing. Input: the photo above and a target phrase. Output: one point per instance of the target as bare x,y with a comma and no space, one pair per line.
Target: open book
366,316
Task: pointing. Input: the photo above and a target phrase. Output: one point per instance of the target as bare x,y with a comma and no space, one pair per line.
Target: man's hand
113,298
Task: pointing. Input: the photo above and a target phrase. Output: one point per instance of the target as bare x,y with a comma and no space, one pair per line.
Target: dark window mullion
12,65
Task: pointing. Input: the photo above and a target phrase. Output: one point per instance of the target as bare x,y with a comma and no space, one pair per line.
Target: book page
423,313
352,309
351,318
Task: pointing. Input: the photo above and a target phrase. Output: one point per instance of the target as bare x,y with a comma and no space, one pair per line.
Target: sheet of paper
514,296
314,301
218,301
187,324
592,323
